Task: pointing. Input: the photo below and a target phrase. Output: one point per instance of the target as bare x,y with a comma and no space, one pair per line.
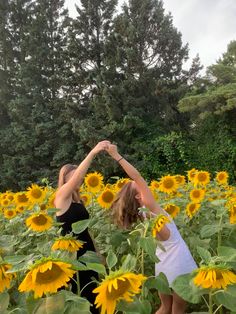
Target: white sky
207,25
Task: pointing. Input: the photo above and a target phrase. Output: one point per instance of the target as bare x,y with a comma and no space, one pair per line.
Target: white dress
176,260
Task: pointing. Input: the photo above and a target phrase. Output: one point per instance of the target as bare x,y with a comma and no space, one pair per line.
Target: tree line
68,82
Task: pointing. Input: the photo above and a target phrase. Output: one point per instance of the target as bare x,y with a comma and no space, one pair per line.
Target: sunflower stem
210,303
219,308
219,238
78,283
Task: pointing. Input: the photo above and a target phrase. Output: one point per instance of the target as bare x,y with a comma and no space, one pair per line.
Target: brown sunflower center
202,177
196,193
107,196
10,213
50,275
168,183
93,181
36,193
22,198
192,208
123,287
40,220
221,176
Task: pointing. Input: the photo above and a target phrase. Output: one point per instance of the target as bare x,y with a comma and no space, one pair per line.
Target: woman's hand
113,152
103,145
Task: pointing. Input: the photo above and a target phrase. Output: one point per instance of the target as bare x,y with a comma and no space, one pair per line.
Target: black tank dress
77,212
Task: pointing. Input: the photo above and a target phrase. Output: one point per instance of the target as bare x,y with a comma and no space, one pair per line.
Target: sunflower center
10,212
50,275
196,193
40,220
221,176
36,193
123,287
22,198
93,181
202,177
107,197
168,183
170,209
192,208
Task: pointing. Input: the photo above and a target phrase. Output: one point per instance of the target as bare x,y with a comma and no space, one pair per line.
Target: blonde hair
63,173
125,207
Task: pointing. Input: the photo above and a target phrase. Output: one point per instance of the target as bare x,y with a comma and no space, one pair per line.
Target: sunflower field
37,262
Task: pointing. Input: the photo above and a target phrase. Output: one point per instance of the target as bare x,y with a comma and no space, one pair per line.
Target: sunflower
36,194
154,193
51,200
67,244
20,209
201,178
154,184
9,213
168,184
172,210
214,277
86,198
5,278
47,276
191,209
21,199
5,202
106,198
197,195
232,215
158,223
222,177
180,179
115,287
191,174
94,182
120,183
39,222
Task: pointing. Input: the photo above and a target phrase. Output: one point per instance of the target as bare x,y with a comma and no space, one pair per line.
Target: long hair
62,179
124,209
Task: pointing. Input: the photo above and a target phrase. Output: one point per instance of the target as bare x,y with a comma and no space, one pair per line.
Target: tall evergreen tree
37,33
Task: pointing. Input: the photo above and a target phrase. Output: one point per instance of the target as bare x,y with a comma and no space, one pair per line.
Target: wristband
120,159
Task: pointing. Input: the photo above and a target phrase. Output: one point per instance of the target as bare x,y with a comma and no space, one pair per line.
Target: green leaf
90,257
149,246
227,299
159,283
185,288
80,226
129,263
99,268
204,254
134,307
228,253
4,302
208,230
111,259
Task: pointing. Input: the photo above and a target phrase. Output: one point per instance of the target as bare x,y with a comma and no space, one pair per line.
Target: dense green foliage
66,83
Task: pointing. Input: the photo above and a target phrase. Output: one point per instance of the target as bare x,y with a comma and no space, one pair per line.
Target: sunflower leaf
4,302
184,287
80,226
204,254
99,268
111,259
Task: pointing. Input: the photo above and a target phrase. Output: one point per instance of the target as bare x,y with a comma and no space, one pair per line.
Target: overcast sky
207,25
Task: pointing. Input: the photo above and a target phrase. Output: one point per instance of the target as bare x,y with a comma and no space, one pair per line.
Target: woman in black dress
70,210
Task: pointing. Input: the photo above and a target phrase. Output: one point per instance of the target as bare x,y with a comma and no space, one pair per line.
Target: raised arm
134,174
64,192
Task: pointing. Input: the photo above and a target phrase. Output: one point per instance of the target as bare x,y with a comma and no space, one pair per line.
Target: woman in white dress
176,259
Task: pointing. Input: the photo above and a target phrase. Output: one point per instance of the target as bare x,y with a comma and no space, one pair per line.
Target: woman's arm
65,192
